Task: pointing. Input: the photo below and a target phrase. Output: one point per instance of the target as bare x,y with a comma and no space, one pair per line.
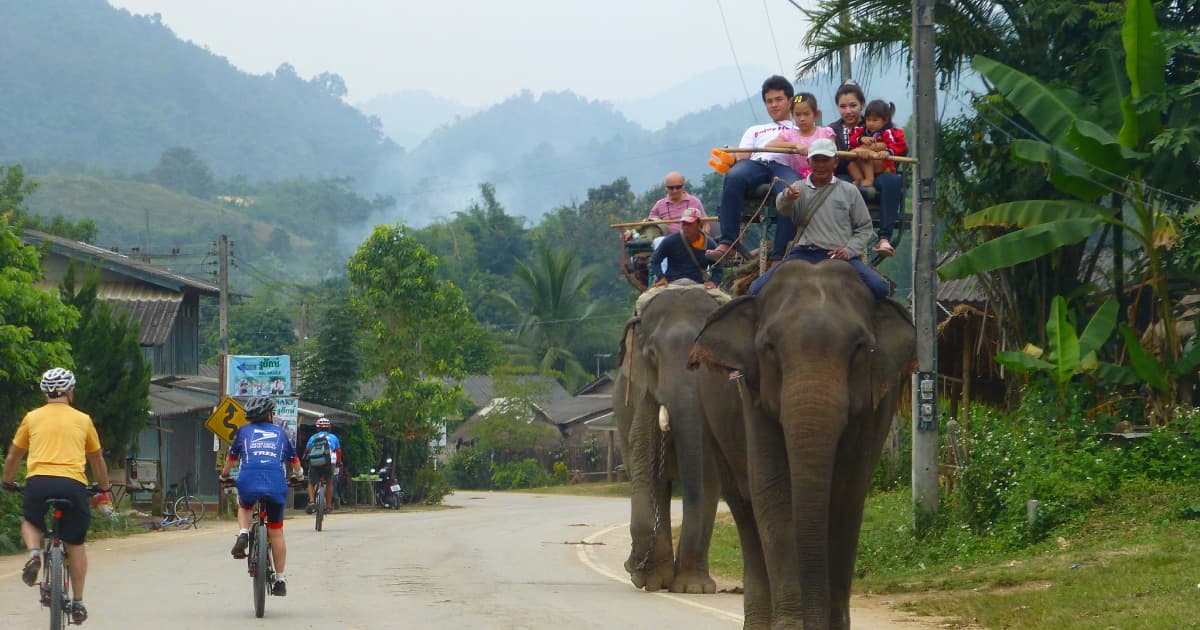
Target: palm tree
557,313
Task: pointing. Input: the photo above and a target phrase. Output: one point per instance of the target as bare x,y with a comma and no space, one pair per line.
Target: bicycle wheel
261,570
320,498
188,511
58,601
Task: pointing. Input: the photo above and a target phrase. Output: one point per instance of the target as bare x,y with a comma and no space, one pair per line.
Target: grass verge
1131,564
614,489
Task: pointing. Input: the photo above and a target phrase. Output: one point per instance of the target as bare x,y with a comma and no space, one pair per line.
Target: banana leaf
1098,148
1023,214
1188,363
1145,63
1067,172
1116,374
1144,363
1020,362
1018,247
1064,343
1099,328
1050,111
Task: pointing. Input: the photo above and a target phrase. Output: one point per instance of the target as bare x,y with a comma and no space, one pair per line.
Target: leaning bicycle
55,585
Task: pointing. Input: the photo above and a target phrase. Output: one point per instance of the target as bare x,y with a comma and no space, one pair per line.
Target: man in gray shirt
839,228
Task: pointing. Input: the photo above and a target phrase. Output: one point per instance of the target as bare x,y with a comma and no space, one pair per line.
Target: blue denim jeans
876,283
743,177
890,187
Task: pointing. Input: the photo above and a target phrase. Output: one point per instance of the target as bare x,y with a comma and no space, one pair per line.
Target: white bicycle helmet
57,382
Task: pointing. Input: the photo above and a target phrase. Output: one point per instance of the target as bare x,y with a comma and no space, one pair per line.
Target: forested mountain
83,82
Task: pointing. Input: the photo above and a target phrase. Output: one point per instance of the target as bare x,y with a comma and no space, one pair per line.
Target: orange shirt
58,438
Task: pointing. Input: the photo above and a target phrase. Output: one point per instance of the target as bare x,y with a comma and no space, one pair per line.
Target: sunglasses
675,187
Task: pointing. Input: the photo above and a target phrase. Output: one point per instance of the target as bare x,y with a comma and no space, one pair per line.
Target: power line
736,63
771,30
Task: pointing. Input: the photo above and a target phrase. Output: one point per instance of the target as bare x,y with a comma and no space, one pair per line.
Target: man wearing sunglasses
678,200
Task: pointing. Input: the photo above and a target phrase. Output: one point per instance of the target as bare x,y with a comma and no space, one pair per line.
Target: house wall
180,356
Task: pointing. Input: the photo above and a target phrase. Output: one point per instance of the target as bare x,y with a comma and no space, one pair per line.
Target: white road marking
585,554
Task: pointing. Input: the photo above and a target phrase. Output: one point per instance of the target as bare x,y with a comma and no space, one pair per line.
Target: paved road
502,561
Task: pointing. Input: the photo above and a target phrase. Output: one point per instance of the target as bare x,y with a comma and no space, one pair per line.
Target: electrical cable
736,63
771,30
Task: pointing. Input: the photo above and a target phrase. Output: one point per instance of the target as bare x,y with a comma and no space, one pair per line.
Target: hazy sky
479,52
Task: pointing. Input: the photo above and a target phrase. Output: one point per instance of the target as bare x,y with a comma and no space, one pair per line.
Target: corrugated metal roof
82,251
156,317
168,401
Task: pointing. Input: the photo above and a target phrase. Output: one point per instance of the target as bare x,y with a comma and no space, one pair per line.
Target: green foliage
331,370
429,486
34,326
181,170
112,375
562,474
14,188
526,473
259,328
471,468
358,446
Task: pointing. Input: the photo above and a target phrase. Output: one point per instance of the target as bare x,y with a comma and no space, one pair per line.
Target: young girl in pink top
806,116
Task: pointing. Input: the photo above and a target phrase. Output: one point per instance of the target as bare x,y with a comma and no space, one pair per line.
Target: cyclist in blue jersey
322,461
263,452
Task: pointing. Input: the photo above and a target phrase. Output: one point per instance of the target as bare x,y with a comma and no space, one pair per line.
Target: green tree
511,423
258,328
34,325
331,370
557,314
181,170
112,375
419,329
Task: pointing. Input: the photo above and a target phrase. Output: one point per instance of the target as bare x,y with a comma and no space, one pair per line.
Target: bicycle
56,579
320,506
259,562
182,510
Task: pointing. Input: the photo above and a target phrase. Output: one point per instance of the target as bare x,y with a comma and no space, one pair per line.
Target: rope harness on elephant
662,463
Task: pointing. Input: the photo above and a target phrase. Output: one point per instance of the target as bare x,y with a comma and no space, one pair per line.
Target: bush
562,474
526,473
470,469
430,486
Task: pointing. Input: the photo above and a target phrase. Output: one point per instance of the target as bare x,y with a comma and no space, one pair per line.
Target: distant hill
83,82
409,116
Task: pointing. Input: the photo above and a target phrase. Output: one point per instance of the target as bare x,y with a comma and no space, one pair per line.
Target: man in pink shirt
671,207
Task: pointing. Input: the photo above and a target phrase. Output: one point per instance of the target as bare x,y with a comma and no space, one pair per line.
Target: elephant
653,386
822,366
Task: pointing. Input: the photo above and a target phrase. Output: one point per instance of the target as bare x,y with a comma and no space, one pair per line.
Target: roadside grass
599,489
1134,563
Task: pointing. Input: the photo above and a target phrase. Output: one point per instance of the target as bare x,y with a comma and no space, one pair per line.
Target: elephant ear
626,341
727,339
895,352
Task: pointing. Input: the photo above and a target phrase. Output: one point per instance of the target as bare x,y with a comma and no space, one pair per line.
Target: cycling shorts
316,472
76,518
274,510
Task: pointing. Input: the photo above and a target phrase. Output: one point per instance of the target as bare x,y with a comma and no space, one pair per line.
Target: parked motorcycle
388,493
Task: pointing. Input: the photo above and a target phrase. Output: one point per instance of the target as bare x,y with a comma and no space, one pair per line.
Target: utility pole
297,370
924,296
223,332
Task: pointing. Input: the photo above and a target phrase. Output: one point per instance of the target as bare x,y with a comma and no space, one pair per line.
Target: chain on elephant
662,462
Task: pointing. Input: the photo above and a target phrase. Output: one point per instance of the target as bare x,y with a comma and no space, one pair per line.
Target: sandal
716,254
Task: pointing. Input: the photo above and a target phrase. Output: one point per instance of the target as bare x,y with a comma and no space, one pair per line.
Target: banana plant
1069,354
1084,160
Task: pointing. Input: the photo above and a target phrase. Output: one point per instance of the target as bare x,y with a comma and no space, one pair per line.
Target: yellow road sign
226,419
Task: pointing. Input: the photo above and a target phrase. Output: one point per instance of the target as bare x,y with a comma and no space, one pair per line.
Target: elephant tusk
664,420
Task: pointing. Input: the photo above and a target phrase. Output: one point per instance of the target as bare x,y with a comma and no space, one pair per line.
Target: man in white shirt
755,169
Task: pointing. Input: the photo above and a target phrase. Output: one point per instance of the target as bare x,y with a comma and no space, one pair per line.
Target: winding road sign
226,419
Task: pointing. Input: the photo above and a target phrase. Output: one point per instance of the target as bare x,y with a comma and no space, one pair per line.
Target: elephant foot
653,578
693,584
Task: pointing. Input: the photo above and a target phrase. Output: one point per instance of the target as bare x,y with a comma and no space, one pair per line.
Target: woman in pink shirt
806,116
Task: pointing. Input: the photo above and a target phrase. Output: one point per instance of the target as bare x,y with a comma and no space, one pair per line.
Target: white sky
479,52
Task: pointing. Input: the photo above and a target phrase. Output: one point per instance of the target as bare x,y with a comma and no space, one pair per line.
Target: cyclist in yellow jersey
58,439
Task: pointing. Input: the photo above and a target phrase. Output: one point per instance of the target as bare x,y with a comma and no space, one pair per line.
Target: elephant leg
771,500
756,601
651,559
699,483
855,464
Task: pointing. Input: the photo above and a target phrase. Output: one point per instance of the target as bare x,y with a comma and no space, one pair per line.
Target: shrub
526,473
562,474
430,486
470,469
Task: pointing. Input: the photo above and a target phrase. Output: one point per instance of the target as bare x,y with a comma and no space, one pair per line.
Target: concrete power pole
924,296
223,333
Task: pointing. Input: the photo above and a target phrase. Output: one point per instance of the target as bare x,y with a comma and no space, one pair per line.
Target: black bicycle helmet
258,408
